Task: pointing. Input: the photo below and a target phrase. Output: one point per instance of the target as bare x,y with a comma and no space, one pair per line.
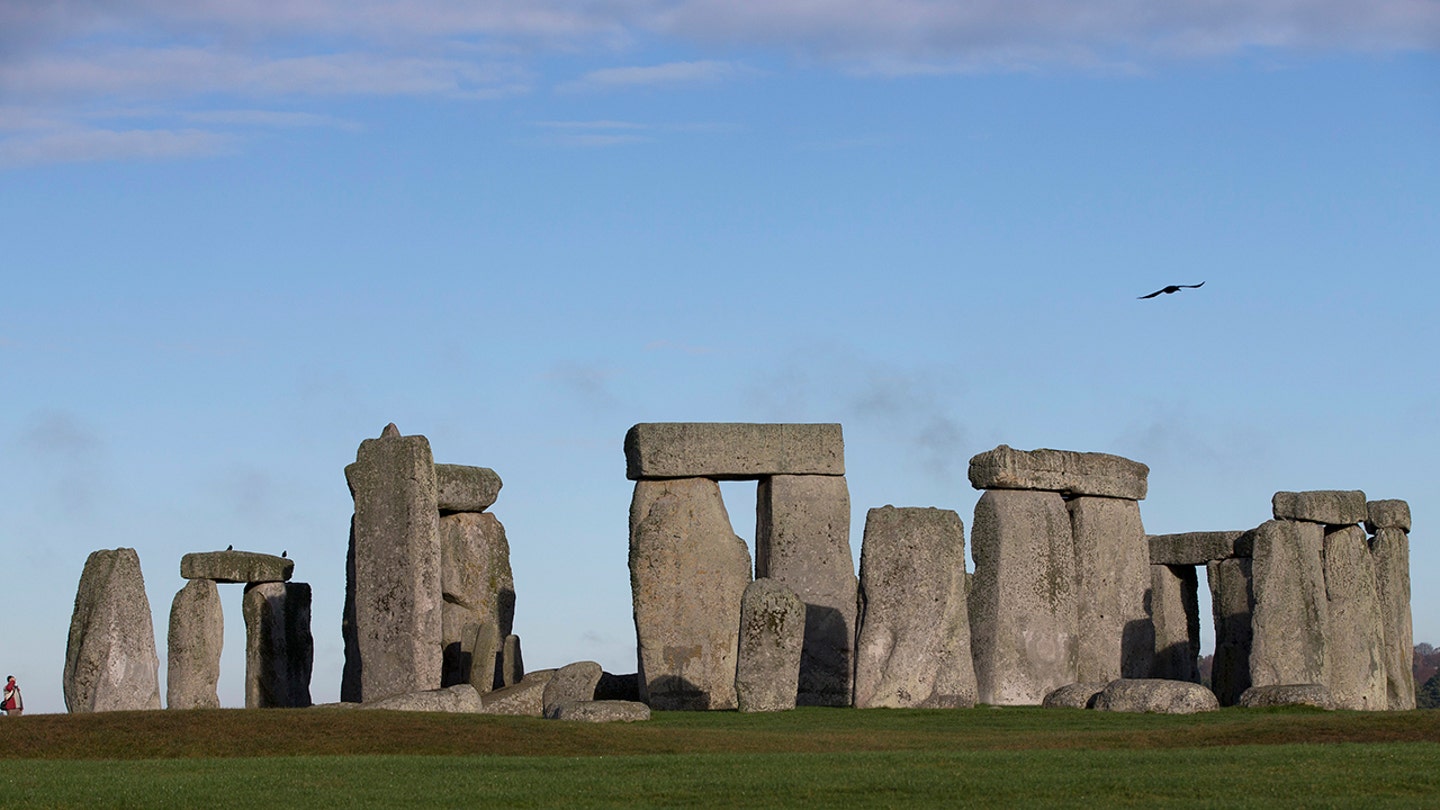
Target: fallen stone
772,632
1155,696
236,566
475,577
1061,471
1199,548
279,649
1387,514
110,659
197,635
458,699
1074,696
1355,644
1391,549
1022,607
459,488
1116,637
1175,615
1287,694
732,450
618,687
914,641
571,682
1291,617
524,699
1332,507
599,711
1232,605
802,541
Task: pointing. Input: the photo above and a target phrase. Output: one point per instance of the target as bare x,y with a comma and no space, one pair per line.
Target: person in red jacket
13,704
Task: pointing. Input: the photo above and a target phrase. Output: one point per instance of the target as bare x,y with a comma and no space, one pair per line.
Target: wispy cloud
668,74
79,146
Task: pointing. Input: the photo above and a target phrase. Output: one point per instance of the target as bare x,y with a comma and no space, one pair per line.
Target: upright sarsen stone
279,649
197,635
914,640
1175,613
1355,644
802,541
110,659
1391,549
1232,604
772,632
1112,573
397,617
1291,618
688,571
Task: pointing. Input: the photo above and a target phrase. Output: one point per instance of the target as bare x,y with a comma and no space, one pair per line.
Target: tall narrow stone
1023,610
1291,618
1355,643
772,632
914,640
279,649
110,659
397,617
1232,604
1391,549
688,571
802,541
1112,573
476,579
1175,612
197,635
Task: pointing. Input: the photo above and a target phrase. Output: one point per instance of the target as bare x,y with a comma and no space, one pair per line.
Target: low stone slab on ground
1287,694
525,699
1155,695
1333,507
459,699
236,566
599,711
1074,696
732,450
459,488
1063,471
1199,548
1387,514
571,682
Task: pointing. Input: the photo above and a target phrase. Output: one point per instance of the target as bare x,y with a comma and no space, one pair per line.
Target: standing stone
475,577
802,541
1232,604
1023,610
197,634
1391,549
914,642
110,659
279,650
397,617
350,672
1355,643
512,664
1112,573
772,633
1291,618
688,571
1175,613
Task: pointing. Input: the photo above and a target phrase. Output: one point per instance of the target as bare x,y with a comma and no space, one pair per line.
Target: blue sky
238,241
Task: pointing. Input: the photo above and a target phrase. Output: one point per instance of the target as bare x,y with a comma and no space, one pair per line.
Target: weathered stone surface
1074,696
1291,617
512,664
1175,614
802,541
236,566
1199,548
1232,604
1387,514
772,632
525,699
1022,610
1062,471
476,578
397,618
1355,643
688,571
571,682
1332,507
350,671
1287,694
732,450
599,711
458,699
1391,549
197,635
279,649
914,640
110,659
618,687
1155,695
459,488
1112,573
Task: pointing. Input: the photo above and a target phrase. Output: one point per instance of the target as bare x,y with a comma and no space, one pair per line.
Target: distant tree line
1426,665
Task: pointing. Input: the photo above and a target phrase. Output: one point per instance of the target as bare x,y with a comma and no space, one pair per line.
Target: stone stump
1355,644
1112,573
772,635
1291,618
1175,613
279,649
197,635
110,658
1232,604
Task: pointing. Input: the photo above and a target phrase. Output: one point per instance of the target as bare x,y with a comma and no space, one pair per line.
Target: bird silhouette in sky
1173,288
230,547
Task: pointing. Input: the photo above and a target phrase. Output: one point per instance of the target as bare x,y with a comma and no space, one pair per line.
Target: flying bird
1173,288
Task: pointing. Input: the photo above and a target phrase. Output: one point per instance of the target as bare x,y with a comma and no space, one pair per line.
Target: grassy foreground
809,757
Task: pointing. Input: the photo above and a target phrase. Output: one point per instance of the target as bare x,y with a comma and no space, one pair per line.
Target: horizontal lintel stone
466,489
236,566
732,451
1333,507
1062,471
1387,514
1198,548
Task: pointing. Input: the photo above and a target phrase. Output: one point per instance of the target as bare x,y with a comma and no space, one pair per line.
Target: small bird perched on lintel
1173,288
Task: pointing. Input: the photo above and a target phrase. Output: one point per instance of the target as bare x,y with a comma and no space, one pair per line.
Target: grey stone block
914,640
1291,618
512,664
732,450
1199,548
279,649
524,699
1391,549
1156,696
1332,507
1387,514
1287,694
458,699
197,635
475,578
236,566
1232,604
1022,610
802,541
1355,644
1074,696
772,632
110,659
572,682
459,488
1175,614
1112,574
1061,471
599,711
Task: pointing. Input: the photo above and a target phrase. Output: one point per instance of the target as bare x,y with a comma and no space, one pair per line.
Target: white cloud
270,118
670,73
85,145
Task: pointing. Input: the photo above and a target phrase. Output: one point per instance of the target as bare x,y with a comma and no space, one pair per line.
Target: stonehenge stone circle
772,633
732,451
478,593
1355,646
1199,548
236,567
524,699
1391,548
1331,507
1116,637
1155,695
1291,617
600,711
1287,694
110,658
1074,696
1175,614
1062,471
1387,514
512,664
196,637
458,699
914,638
572,682
459,488
279,650
1232,605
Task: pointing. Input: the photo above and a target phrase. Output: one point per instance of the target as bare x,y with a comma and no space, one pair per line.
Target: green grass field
808,757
